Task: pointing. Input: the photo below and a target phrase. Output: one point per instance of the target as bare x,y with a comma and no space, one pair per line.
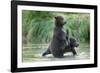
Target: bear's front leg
46,52
73,51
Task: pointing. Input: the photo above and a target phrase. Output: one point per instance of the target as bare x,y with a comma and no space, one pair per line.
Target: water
35,54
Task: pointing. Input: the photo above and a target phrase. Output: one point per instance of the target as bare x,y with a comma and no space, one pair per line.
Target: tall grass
37,26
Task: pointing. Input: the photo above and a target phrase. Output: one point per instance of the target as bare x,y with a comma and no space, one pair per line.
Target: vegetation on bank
37,26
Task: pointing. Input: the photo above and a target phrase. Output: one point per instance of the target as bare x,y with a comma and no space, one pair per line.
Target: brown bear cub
72,43
58,42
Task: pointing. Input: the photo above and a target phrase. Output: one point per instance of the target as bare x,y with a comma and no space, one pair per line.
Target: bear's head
59,21
73,42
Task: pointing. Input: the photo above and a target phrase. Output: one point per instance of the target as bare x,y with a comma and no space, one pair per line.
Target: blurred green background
37,28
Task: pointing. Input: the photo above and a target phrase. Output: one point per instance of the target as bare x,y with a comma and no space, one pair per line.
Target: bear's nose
65,22
55,17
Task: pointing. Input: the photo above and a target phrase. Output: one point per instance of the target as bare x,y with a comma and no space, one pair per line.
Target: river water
31,55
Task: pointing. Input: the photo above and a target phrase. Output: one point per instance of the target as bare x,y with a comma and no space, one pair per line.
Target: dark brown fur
58,42
70,47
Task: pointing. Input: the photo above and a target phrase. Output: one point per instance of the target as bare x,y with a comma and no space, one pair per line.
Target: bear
72,43
71,47
58,42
